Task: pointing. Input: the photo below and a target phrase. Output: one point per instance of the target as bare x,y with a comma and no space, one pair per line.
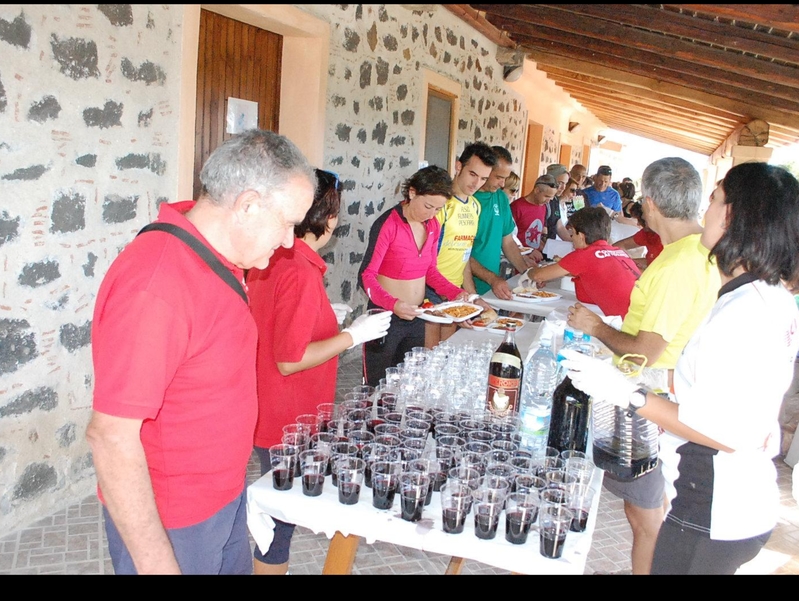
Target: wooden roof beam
752,106
588,81
652,106
654,18
595,35
779,16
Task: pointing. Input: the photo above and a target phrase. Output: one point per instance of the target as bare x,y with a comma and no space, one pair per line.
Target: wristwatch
636,400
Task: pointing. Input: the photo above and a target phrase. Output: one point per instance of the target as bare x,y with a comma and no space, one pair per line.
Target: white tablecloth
325,514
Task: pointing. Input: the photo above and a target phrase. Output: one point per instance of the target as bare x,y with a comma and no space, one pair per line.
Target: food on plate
488,316
503,323
533,293
459,311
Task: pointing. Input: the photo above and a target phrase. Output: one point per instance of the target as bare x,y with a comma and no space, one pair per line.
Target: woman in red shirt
298,340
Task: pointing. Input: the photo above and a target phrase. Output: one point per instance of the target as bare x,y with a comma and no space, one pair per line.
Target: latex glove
525,281
341,310
602,380
369,327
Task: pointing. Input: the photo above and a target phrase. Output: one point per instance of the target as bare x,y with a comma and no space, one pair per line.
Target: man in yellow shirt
458,219
668,302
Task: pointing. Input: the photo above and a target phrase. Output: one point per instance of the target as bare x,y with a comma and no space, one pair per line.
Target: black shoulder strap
203,252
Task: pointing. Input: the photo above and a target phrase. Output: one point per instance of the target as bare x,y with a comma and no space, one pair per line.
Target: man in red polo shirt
173,344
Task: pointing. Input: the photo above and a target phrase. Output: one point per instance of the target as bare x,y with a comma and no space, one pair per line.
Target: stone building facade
375,90
87,152
89,124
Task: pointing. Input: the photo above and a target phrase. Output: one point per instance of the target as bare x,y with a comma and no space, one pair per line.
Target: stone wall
376,91
88,123
87,130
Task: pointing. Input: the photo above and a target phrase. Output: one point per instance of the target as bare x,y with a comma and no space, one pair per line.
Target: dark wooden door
234,60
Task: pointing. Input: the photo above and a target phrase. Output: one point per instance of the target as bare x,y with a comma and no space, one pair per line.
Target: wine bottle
505,376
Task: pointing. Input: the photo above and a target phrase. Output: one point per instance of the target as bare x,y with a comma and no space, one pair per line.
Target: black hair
503,154
627,190
762,233
430,181
326,204
593,222
481,150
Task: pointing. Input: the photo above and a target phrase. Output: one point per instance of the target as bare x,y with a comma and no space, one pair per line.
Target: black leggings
402,336
686,551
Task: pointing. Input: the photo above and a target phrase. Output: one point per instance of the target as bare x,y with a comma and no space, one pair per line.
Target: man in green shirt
495,232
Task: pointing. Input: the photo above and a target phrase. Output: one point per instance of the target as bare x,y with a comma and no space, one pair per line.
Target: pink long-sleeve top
393,253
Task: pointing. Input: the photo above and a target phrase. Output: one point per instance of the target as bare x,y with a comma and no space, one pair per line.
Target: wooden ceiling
689,75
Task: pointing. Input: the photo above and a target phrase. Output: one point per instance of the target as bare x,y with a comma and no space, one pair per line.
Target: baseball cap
556,169
604,170
547,180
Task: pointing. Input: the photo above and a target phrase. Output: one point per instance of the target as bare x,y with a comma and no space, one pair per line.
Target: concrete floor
72,540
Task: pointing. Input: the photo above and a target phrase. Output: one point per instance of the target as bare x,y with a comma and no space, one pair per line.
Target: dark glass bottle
568,426
505,376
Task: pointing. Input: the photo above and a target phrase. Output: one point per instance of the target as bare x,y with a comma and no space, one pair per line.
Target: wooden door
532,157
234,60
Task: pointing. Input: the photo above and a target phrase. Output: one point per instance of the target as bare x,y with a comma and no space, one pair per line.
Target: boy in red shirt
603,274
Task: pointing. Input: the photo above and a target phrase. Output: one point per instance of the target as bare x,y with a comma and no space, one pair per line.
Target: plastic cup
413,492
521,510
339,450
283,458
456,503
314,465
580,502
431,467
311,422
350,479
486,507
377,342
385,482
467,475
554,522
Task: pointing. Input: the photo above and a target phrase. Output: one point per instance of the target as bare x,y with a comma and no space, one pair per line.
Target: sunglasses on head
555,186
334,175
605,171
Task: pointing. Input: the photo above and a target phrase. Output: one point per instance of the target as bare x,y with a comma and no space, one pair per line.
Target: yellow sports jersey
458,221
673,295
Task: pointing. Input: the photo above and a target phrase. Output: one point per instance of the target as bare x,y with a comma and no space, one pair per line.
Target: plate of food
451,312
486,318
533,295
503,324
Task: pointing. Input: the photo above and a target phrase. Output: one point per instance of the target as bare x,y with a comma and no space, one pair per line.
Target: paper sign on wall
241,115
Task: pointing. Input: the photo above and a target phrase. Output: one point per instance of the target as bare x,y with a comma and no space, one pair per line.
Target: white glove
602,380
341,310
525,281
369,327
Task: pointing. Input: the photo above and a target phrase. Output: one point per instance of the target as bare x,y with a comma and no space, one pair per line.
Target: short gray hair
257,160
674,185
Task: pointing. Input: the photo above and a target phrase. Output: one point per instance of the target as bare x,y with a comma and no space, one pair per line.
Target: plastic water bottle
538,384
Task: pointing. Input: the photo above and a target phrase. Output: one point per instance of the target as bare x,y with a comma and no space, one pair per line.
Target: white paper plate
523,295
476,310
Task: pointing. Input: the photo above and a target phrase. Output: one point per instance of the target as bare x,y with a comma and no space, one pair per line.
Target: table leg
341,554
454,567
